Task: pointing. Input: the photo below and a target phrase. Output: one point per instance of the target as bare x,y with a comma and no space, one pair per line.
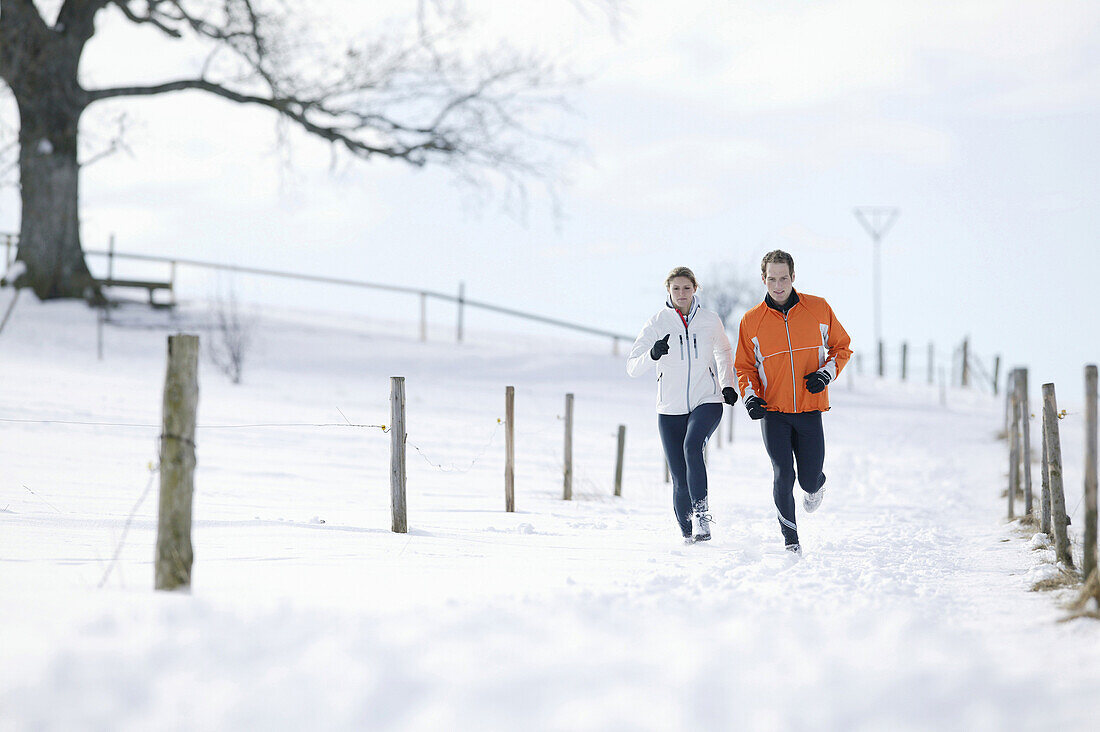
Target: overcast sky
715,131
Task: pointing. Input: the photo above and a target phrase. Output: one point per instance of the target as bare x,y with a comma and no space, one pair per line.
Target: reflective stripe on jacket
775,351
699,362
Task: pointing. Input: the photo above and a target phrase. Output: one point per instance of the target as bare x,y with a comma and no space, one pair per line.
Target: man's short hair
777,256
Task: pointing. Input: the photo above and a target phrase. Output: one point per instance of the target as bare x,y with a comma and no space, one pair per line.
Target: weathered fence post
619,460
904,360
881,360
1088,565
966,362
461,307
1008,399
567,492
172,283
111,257
1054,465
398,512
1044,497
996,373
1014,449
1025,416
510,449
174,553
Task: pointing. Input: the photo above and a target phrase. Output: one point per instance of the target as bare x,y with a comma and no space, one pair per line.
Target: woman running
694,362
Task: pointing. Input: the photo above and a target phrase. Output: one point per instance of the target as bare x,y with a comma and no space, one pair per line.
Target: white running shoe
811,501
700,521
795,549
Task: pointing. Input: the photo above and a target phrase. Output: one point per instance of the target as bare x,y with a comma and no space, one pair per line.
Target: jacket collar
691,314
786,307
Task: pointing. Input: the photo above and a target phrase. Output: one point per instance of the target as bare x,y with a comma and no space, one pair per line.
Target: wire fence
11,242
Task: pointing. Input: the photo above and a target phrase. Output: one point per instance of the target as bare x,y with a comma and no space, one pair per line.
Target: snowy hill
910,609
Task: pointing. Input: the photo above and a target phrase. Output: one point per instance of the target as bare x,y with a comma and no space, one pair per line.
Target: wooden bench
151,286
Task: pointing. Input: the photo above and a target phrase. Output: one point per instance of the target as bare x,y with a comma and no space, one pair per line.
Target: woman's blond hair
681,272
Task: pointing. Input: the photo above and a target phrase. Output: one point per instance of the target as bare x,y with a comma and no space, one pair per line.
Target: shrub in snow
230,337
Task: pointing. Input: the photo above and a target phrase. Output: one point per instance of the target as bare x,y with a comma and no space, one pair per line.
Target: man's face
779,281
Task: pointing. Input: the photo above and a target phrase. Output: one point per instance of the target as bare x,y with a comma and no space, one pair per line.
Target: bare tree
729,290
231,336
415,93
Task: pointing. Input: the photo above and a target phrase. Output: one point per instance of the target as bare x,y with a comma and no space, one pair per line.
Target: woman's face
681,291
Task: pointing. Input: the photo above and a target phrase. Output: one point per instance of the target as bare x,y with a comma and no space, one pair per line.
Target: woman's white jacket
699,362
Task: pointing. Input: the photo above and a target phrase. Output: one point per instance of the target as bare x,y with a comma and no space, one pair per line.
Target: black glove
729,395
756,407
660,348
815,382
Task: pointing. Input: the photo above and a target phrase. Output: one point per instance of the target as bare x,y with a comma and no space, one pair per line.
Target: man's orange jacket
776,351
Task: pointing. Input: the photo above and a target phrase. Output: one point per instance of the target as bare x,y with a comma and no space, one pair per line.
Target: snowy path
910,609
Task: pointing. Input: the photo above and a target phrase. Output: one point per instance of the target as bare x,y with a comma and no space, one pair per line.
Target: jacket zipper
687,391
681,348
660,389
794,379
695,344
713,378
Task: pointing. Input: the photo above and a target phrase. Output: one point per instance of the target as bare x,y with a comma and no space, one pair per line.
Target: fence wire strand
138,425
153,470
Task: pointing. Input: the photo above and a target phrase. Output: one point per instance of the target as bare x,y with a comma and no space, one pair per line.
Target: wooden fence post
619,461
567,492
1008,400
174,553
1088,565
904,359
881,360
966,362
461,307
1014,450
1044,497
996,373
510,449
398,437
1025,417
1054,465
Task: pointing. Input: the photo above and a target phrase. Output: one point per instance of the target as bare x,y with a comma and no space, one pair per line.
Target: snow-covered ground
910,610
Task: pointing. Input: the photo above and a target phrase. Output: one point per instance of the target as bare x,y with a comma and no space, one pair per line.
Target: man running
789,348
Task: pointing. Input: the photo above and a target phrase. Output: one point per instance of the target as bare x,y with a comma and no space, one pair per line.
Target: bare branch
150,17
116,143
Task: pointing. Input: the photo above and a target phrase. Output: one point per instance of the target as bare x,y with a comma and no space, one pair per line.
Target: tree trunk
39,63
49,232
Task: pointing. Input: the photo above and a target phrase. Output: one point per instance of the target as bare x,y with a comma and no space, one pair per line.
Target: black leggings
683,437
791,438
